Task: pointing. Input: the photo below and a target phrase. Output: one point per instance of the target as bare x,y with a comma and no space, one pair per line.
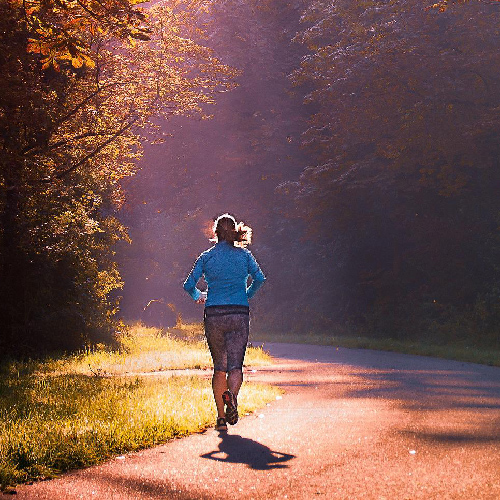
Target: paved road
353,424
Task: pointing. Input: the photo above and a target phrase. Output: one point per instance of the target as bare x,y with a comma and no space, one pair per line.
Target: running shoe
221,424
231,407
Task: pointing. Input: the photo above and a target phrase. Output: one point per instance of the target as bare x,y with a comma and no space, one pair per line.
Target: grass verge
58,414
457,351
142,349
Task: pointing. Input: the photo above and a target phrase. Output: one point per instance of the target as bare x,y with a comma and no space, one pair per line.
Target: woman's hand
201,300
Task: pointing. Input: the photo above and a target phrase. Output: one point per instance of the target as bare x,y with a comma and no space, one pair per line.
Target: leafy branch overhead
121,82
60,29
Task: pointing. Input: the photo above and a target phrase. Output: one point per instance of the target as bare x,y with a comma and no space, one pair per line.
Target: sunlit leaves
81,84
62,29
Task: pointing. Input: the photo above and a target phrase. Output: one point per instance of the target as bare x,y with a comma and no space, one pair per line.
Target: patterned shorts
226,329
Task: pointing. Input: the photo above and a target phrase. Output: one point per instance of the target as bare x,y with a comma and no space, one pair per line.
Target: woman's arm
192,279
257,275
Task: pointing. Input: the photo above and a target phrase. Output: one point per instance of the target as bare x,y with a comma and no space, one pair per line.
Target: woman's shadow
237,449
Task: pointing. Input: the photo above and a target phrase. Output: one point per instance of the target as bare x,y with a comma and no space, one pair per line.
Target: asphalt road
352,424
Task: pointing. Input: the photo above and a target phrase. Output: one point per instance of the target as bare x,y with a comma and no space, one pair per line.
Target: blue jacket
226,269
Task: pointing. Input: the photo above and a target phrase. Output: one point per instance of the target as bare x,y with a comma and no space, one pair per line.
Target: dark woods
361,146
402,197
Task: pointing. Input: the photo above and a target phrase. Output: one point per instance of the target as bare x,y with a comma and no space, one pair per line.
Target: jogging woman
226,268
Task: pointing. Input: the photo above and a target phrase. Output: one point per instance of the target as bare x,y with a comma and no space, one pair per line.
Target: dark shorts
226,329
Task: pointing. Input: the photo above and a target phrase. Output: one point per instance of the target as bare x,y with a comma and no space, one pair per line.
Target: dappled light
359,142
80,410
371,187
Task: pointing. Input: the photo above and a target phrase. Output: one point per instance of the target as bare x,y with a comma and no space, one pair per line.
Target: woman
226,268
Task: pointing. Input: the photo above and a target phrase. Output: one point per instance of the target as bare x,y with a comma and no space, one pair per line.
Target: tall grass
60,414
143,349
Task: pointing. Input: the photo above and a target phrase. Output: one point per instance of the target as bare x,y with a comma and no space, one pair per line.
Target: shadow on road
237,449
429,389
457,437
415,382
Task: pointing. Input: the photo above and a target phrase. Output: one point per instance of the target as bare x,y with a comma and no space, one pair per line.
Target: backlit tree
82,82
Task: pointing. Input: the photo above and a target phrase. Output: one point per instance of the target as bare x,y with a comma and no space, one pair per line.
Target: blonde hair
225,228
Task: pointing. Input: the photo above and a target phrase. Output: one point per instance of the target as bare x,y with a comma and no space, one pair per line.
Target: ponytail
226,229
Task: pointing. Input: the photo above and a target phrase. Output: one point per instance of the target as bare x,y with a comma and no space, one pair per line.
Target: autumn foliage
81,82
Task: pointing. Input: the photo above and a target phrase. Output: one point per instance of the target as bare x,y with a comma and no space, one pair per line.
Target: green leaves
75,95
404,145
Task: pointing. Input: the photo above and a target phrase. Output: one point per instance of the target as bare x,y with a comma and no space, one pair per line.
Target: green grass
56,415
458,351
143,349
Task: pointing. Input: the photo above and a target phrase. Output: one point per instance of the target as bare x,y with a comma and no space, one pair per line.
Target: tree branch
75,138
75,110
95,151
88,98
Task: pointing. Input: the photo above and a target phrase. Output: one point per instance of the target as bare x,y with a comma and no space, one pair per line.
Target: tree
231,163
80,80
403,187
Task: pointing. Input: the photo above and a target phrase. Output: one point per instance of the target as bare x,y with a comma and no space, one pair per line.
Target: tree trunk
13,330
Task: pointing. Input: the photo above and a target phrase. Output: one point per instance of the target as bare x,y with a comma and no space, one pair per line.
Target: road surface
352,424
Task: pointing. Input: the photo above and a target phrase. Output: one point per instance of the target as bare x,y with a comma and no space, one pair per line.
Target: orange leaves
71,135
123,66
57,51
65,30
442,6
36,47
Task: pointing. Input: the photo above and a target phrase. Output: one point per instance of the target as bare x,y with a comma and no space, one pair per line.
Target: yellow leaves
34,46
107,281
139,34
88,61
57,49
29,11
52,59
62,26
76,62
441,6
137,80
49,61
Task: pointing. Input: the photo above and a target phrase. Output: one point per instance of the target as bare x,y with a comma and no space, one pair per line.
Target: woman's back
226,269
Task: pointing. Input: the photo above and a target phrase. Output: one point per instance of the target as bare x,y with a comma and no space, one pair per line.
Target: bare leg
234,381
219,385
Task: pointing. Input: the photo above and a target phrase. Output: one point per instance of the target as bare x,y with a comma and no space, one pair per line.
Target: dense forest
358,139
81,85
361,145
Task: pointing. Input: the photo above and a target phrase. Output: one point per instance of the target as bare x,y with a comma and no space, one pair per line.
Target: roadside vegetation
458,351
77,411
141,349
